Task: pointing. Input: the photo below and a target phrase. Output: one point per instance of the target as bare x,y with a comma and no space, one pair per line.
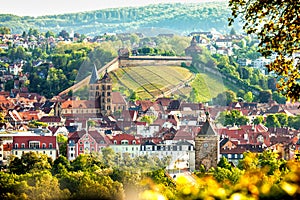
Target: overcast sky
48,7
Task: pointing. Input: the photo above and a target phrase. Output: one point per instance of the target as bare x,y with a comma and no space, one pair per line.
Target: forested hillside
150,20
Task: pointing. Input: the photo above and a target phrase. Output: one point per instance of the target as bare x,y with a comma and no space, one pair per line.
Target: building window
133,142
108,100
44,146
50,146
16,145
34,145
108,107
22,146
80,148
50,152
108,93
72,155
108,87
103,94
44,152
124,142
16,152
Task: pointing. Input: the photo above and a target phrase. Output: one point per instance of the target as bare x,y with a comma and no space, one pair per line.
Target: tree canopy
277,26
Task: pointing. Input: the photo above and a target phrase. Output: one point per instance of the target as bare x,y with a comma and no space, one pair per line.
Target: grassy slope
210,86
150,81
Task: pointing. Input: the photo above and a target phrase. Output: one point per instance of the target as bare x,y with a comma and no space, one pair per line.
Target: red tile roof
42,139
120,137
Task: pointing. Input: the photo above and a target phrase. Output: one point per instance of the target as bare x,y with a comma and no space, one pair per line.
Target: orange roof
29,115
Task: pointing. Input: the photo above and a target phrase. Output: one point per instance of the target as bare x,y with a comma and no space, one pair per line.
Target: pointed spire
94,77
105,77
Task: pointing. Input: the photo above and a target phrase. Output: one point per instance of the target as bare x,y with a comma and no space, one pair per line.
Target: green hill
151,20
150,82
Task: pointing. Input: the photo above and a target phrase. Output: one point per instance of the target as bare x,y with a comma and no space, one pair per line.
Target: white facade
147,131
182,154
132,150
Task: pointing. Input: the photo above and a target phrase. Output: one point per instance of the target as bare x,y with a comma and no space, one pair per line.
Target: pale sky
49,7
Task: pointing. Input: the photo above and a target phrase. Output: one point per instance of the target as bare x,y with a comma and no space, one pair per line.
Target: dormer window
124,142
133,142
34,144
115,141
260,139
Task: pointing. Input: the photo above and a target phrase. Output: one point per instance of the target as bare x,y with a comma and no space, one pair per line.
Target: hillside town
186,132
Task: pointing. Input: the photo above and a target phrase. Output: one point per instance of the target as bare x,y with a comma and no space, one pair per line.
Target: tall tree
277,25
248,97
272,121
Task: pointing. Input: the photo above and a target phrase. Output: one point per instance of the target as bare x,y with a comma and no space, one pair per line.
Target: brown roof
117,98
50,119
183,134
83,104
145,104
164,101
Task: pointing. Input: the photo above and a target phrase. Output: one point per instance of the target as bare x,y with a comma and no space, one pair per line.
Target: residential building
40,144
125,144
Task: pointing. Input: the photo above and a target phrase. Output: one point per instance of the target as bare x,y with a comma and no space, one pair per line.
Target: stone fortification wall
154,61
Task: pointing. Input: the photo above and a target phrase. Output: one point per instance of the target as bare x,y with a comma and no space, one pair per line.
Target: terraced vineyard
150,82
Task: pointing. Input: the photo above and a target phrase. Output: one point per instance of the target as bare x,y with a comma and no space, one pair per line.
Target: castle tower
207,146
94,85
106,94
193,49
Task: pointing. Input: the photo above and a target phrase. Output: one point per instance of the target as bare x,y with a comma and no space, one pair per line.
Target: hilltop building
193,49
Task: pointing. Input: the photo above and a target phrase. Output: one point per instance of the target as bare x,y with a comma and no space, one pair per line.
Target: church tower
106,94
207,146
101,90
94,85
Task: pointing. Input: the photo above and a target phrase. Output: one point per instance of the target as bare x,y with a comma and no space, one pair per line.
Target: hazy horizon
53,7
